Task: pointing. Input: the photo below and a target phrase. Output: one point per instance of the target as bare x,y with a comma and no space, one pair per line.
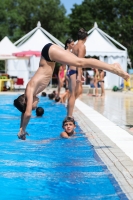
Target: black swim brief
45,51
101,81
70,72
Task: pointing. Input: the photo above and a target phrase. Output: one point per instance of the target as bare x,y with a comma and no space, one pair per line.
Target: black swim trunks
45,51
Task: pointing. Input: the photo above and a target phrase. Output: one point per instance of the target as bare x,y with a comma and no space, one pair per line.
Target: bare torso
42,77
78,47
75,51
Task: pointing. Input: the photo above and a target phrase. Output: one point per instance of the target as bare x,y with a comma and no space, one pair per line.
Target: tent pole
52,37
24,40
112,39
91,30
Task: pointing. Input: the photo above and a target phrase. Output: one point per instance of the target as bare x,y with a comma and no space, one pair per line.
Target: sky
68,4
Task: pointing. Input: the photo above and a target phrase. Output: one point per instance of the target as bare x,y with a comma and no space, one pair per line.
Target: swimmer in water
68,126
39,111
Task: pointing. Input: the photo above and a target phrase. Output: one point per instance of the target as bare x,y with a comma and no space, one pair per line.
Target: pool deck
106,123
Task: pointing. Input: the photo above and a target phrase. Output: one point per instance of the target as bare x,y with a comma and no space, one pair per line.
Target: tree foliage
115,17
18,17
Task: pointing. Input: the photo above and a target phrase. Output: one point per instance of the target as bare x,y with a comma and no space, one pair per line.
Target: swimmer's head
68,119
20,103
69,43
68,125
57,99
43,94
54,93
82,34
51,96
39,111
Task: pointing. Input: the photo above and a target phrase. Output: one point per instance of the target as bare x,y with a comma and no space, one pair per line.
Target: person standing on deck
74,74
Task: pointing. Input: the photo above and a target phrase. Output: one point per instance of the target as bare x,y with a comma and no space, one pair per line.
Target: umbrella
27,54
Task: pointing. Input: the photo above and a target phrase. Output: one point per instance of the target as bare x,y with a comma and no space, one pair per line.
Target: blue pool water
46,166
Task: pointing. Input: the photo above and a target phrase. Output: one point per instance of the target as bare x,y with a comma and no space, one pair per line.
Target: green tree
18,17
115,17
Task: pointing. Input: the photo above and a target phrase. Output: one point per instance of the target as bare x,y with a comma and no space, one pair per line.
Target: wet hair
57,99
82,34
68,41
51,96
43,94
39,111
20,103
68,119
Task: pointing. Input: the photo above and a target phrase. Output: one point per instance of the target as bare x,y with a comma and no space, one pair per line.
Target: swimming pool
45,166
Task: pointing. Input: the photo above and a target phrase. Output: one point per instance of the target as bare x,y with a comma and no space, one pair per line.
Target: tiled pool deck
106,122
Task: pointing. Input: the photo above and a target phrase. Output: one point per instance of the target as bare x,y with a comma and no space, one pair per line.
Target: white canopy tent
34,41
12,64
102,45
6,49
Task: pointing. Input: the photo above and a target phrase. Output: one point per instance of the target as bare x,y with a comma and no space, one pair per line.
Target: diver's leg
58,54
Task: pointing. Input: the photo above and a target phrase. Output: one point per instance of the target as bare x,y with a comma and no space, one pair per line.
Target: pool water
46,166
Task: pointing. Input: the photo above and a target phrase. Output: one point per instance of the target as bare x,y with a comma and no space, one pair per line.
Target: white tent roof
7,48
36,39
99,43
35,42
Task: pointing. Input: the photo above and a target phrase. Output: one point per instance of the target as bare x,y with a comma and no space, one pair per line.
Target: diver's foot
120,72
